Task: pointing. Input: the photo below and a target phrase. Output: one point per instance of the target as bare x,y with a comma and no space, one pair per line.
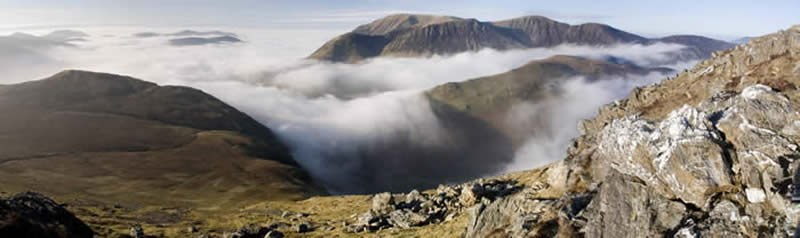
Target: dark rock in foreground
34,215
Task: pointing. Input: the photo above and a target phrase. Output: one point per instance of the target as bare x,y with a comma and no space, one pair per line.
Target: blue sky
722,19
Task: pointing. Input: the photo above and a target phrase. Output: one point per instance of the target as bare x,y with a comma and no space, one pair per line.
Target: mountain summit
408,35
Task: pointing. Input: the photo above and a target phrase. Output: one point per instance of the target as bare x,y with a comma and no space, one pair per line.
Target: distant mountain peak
396,22
414,35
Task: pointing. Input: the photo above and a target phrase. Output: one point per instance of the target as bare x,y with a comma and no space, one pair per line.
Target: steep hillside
406,35
116,139
490,98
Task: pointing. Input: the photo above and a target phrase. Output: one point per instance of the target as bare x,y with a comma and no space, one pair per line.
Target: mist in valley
356,128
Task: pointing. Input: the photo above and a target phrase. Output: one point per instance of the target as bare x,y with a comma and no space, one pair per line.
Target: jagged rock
413,196
681,156
34,215
626,207
515,216
406,219
382,203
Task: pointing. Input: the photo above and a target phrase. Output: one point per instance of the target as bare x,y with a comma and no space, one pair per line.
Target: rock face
34,215
710,153
120,139
405,35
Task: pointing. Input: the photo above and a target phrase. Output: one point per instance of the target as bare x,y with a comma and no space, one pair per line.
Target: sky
726,20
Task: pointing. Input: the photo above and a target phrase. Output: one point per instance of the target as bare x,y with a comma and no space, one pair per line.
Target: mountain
695,46
406,35
192,41
185,33
397,22
543,32
491,98
117,139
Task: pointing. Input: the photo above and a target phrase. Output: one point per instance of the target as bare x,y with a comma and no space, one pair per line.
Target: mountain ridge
409,35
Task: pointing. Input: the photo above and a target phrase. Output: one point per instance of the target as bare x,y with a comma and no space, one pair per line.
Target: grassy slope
99,141
327,214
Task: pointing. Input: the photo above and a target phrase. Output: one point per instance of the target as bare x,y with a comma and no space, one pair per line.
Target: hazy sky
723,19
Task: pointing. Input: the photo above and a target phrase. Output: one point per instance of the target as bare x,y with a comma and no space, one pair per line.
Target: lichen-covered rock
518,215
627,207
680,157
382,203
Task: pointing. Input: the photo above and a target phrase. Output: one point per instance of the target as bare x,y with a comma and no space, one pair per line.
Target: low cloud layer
556,119
362,127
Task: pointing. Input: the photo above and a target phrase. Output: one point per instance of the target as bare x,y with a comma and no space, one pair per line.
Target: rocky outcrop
34,215
417,209
407,35
710,153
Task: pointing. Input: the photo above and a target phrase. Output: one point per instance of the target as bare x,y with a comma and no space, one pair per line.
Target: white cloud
556,119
